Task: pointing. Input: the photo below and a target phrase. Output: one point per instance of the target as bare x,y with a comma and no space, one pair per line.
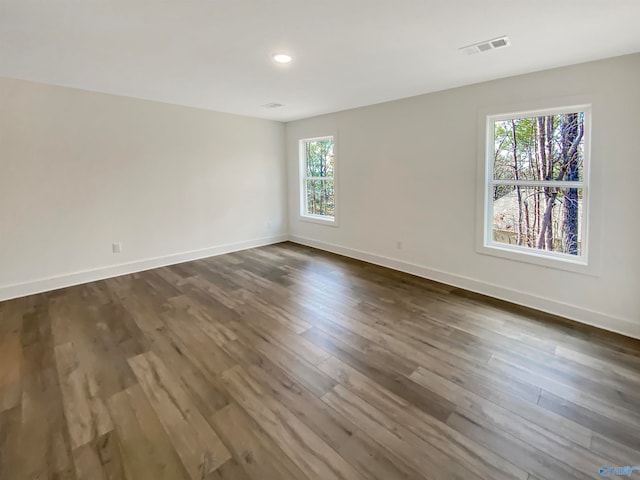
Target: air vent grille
502,42
487,45
272,105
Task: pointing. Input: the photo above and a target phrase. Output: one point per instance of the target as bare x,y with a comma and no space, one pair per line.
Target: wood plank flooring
286,363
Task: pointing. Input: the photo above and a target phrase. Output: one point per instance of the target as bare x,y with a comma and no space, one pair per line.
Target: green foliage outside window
531,157
319,177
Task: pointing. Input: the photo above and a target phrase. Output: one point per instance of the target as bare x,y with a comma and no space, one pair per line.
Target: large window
536,183
318,189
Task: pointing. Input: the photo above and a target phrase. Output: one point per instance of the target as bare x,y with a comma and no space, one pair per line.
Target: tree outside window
317,162
536,182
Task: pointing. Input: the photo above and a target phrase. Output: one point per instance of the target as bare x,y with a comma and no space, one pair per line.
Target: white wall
407,172
80,170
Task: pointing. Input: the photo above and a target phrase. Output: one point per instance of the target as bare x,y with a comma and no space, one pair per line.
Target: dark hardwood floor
284,362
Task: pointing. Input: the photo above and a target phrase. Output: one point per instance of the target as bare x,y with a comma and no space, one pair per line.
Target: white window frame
485,243
321,219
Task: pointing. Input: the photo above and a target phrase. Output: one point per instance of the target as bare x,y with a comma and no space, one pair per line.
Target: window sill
549,260
329,221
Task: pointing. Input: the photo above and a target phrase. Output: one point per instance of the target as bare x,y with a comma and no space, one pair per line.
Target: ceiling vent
487,45
272,105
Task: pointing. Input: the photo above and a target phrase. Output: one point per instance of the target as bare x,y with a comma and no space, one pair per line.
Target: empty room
336,240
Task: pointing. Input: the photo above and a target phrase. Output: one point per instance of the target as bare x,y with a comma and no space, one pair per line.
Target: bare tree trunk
528,221
571,137
517,177
545,240
549,237
545,124
551,195
313,199
544,169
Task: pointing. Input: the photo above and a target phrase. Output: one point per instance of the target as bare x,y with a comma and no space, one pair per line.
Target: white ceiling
216,54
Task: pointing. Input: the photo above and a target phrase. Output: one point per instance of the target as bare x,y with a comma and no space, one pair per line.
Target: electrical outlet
116,247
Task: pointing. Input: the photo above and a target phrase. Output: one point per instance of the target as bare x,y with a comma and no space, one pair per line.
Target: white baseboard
573,312
8,292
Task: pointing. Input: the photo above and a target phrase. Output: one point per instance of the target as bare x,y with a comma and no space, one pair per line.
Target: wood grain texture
395,438
198,446
147,451
284,362
86,414
305,448
100,460
252,446
437,435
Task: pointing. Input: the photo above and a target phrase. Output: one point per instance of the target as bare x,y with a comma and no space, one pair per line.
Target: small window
318,189
536,187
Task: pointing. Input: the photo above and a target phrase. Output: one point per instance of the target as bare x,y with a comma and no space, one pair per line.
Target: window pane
320,198
319,158
544,218
549,147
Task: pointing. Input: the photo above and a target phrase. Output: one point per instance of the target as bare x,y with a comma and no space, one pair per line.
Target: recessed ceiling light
282,57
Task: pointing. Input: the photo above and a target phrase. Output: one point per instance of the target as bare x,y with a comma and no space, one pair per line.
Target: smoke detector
499,42
272,105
